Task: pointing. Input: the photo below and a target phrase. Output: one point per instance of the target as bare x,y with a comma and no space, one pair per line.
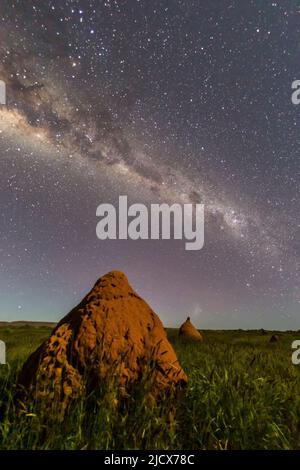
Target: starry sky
163,101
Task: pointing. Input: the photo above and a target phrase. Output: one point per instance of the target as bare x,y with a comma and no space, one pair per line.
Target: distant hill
27,323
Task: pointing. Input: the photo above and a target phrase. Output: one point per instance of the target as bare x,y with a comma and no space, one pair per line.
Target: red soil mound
112,330
187,330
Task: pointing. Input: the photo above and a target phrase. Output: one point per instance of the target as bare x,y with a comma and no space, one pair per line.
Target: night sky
163,101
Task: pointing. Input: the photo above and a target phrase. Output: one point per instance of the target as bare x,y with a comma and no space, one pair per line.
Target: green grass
243,393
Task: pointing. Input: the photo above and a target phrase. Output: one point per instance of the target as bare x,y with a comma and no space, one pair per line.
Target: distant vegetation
243,393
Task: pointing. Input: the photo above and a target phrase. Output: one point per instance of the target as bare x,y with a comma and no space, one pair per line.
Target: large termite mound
113,332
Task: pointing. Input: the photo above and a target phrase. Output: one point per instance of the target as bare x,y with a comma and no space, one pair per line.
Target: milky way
165,102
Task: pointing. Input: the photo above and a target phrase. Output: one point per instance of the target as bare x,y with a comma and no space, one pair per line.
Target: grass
243,393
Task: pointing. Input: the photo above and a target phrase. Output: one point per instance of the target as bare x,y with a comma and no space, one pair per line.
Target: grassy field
243,393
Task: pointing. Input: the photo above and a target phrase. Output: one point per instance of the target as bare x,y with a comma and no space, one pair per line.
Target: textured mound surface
187,330
112,331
